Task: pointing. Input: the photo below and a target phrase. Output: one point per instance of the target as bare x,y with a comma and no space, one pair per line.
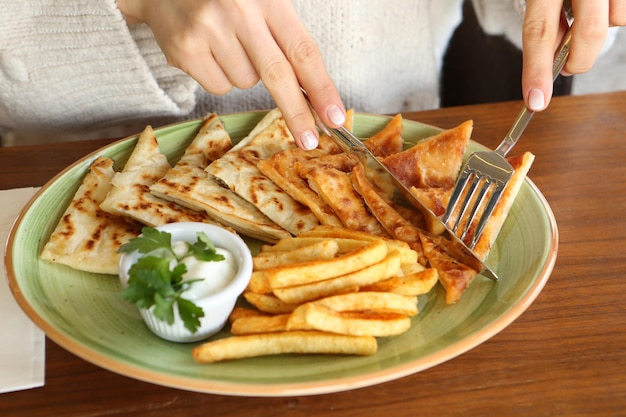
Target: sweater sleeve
75,64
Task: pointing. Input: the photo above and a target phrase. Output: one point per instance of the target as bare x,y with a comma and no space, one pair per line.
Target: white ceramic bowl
218,306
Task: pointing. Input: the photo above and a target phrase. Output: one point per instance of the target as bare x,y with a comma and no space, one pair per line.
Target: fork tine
465,204
461,184
466,188
478,202
491,205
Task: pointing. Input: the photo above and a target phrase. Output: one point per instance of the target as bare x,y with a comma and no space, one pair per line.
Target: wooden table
565,356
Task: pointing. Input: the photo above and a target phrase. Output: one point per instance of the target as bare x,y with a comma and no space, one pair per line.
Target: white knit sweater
68,65
75,65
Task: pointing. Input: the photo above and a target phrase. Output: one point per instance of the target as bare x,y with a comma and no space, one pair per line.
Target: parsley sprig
152,281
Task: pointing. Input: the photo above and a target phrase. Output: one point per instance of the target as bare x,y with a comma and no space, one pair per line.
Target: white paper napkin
22,344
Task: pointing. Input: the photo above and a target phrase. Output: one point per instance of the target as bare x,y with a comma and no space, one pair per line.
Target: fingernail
335,115
308,140
536,100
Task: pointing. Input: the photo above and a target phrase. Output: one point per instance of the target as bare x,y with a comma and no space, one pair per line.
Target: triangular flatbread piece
188,184
433,162
340,161
130,196
210,143
454,276
389,140
336,189
521,165
238,170
87,238
282,169
435,199
394,223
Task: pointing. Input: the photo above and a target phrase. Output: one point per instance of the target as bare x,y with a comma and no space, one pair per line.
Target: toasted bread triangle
387,141
239,171
86,237
432,162
188,184
454,276
130,196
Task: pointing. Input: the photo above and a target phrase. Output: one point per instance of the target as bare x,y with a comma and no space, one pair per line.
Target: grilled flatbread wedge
454,276
389,140
282,169
87,238
130,196
394,223
210,143
521,164
336,189
288,169
206,193
436,199
188,184
433,162
238,170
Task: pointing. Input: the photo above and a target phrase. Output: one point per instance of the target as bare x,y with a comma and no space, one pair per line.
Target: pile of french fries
330,290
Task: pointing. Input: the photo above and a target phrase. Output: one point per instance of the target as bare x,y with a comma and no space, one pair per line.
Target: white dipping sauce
215,275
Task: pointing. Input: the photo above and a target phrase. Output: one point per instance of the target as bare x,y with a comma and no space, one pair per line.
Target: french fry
293,243
297,320
268,303
352,323
349,282
314,271
338,232
322,231
325,249
387,285
411,268
259,324
380,302
258,283
240,312
417,283
305,342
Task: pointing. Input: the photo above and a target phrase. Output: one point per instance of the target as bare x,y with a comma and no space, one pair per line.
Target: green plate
85,314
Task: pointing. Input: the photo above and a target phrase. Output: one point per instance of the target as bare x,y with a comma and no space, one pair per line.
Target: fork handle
525,114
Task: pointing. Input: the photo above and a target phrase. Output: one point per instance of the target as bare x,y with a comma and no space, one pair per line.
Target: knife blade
384,178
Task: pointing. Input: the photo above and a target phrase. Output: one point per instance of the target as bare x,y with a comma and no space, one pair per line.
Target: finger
205,70
589,30
617,12
280,79
306,59
540,33
219,31
186,47
233,59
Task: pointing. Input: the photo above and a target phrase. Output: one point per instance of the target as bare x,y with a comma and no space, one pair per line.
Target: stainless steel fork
485,175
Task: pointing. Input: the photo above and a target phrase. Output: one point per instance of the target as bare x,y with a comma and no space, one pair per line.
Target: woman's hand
226,43
544,25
